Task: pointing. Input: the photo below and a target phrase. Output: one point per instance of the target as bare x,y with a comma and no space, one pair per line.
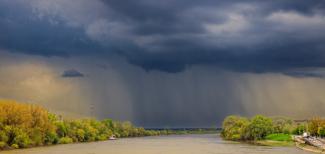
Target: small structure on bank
305,134
113,137
305,138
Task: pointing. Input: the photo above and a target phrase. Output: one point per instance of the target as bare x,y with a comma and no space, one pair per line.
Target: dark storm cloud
304,74
72,73
245,36
21,31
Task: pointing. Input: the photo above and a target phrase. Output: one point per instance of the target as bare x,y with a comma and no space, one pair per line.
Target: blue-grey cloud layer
253,36
72,73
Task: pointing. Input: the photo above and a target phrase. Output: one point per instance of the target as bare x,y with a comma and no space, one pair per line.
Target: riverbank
309,143
309,148
26,125
171,144
274,143
271,143
162,133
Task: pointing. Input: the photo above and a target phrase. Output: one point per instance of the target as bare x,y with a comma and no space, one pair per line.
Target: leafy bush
102,137
51,138
80,134
3,145
20,138
14,146
321,131
61,128
299,129
314,124
37,137
3,137
65,140
282,125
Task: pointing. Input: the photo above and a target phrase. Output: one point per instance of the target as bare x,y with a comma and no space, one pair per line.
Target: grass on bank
279,137
277,140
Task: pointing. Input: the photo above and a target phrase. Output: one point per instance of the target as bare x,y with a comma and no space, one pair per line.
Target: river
175,144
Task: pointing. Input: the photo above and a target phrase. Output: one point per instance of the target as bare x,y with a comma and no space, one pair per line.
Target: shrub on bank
65,140
3,145
316,126
299,129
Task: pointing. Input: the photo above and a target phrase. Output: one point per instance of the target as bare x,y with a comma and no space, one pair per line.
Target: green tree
299,129
259,127
314,124
321,131
233,127
282,125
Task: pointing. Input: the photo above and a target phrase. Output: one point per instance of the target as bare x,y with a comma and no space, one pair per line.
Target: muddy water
182,144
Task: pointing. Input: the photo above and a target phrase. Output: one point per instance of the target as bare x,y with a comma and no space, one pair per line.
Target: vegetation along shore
276,131
26,125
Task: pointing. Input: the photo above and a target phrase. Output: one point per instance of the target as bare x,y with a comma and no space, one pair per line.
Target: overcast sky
165,63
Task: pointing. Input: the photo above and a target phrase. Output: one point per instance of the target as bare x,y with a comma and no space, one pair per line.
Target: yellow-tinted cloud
35,81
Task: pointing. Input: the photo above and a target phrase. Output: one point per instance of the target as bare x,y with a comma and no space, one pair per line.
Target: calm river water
181,144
